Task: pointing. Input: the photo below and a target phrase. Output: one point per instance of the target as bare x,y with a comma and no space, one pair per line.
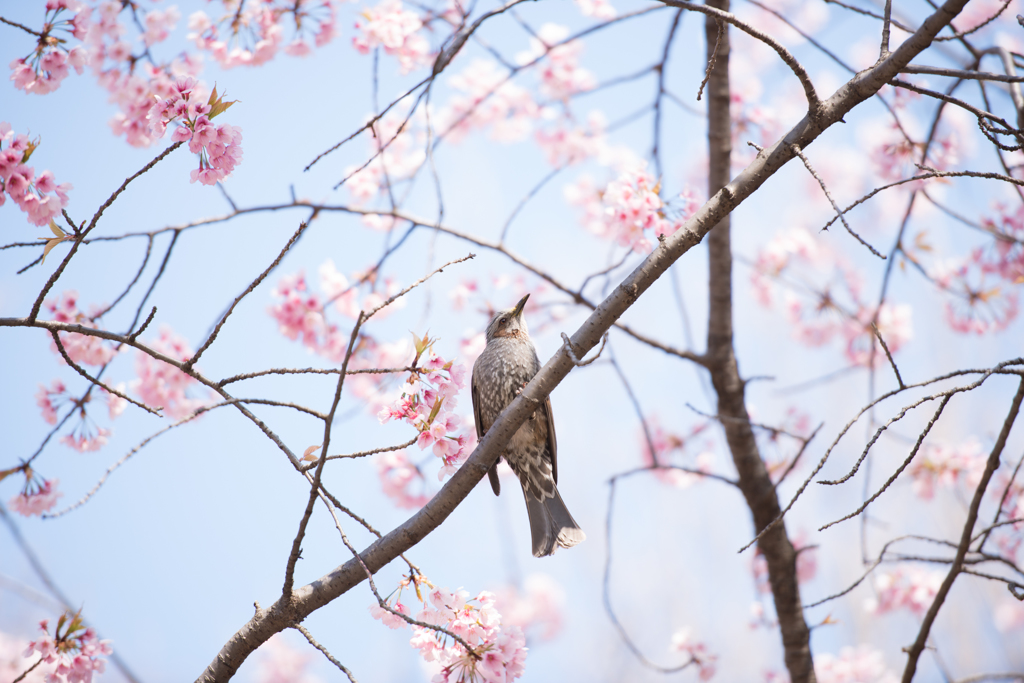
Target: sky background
169,556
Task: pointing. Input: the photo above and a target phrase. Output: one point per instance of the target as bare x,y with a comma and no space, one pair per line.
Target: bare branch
914,651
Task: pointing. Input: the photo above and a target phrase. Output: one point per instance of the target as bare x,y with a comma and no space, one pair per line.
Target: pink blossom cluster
982,286
81,348
280,662
561,76
37,497
161,385
500,648
397,30
86,437
398,149
564,145
301,315
895,158
682,641
486,98
629,210
946,465
787,248
427,402
258,34
77,652
19,181
1005,257
835,308
219,147
133,83
50,399
909,588
396,475
598,9
667,447
853,665
49,63
894,325
536,608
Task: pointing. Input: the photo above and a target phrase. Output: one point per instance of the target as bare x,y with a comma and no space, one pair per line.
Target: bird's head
509,323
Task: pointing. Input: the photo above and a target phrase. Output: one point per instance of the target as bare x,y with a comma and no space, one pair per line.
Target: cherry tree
773,251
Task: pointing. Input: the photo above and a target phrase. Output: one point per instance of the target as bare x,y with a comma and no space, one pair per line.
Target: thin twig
714,59
253,285
796,150
312,641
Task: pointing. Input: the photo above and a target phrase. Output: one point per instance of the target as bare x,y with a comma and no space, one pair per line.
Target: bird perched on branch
501,372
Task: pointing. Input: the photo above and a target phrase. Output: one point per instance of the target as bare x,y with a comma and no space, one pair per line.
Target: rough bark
754,482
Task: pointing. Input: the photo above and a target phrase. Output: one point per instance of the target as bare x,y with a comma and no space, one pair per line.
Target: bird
506,365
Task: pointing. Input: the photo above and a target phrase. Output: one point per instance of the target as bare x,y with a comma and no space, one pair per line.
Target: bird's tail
551,525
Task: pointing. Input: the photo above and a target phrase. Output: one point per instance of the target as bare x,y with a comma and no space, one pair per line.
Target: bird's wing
552,442
478,416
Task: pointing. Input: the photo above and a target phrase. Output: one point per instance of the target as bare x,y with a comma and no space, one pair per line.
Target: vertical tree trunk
754,481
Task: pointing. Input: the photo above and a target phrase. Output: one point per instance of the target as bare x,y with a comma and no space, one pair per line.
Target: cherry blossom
629,210
86,438
946,465
682,641
860,665
536,608
461,293
115,404
486,98
564,145
598,9
280,662
218,147
911,588
396,474
31,194
37,497
390,619
828,304
397,30
50,399
667,446
500,648
893,323
81,348
398,148
49,63
258,33
12,664
76,652
427,402
161,385
895,157
561,76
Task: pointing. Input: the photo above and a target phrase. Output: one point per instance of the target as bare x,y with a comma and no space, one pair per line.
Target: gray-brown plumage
507,365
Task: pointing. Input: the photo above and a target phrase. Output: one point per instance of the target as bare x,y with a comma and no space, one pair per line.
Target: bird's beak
517,312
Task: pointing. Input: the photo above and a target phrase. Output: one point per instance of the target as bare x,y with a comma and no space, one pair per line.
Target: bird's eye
503,321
